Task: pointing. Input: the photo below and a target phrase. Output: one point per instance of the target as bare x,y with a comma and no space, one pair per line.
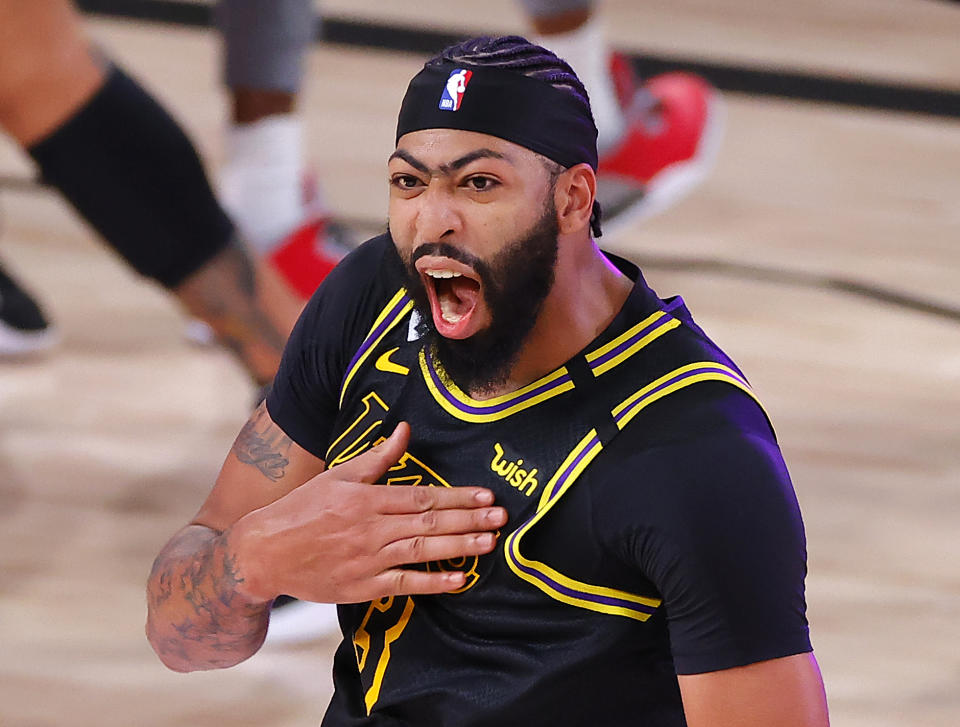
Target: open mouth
455,297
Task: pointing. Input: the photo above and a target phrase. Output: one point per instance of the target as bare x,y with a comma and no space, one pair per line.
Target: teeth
446,310
443,274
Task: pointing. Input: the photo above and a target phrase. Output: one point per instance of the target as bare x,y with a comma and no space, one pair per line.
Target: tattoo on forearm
209,625
262,444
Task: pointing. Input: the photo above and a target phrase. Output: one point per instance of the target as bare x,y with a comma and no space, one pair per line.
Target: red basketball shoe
308,254
304,257
674,123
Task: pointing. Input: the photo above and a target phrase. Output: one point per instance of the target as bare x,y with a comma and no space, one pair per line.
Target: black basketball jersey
652,525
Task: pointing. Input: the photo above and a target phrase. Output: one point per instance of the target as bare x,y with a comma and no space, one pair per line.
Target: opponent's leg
263,185
262,182
657,140
128,169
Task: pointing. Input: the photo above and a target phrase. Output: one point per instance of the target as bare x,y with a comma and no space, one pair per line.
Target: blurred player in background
657,139
126,166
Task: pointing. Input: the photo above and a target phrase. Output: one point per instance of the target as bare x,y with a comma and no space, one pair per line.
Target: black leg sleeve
131,172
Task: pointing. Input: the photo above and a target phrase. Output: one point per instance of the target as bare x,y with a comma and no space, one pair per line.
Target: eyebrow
453,166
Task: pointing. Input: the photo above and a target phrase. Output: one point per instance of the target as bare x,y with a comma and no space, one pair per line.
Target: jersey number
383,623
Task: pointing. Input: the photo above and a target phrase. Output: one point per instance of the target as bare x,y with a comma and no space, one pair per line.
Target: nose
437,216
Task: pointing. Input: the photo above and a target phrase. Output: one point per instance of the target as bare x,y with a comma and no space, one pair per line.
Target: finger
371,466
403,582
399,500
440,522
423,549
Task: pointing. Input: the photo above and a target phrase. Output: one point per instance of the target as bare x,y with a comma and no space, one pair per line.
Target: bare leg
250,105
48,76
246,304
560,22
47,71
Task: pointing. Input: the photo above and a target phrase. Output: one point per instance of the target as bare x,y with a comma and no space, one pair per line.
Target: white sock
260,183
585,49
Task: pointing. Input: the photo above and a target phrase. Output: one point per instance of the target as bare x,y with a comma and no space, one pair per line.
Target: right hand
340,538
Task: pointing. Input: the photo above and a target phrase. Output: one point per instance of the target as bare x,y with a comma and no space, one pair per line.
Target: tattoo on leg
224,294
236,274
262,444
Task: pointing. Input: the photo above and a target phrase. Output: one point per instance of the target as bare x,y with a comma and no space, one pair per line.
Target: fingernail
484,497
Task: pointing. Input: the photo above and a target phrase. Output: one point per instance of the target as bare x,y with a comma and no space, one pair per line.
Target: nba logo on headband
455,88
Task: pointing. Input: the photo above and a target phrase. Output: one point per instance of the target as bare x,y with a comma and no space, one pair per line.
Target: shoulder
707,512
698,480
695,450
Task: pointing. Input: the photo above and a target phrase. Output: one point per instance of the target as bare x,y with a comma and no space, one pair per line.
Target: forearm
197,618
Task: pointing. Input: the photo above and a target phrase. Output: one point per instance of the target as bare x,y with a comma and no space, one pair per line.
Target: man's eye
405,181
481,183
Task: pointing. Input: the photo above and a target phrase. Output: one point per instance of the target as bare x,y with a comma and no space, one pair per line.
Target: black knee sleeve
130,171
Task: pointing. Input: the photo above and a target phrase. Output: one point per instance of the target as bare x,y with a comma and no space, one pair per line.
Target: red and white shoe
303,258
674,124
308,254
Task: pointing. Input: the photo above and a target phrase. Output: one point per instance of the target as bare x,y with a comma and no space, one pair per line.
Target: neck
587,293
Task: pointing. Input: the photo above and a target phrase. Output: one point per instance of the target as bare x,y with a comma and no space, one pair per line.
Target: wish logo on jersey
456,87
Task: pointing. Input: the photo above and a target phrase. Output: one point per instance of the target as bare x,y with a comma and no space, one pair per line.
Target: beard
514,285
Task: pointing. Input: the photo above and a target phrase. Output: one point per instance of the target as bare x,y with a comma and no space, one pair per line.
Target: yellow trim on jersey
587,449
372,344
580,457
461,398
634,404
619,340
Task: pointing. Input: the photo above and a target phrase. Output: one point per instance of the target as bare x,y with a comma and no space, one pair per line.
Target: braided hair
517,54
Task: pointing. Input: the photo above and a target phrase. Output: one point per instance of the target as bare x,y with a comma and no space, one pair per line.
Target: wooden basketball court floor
109,443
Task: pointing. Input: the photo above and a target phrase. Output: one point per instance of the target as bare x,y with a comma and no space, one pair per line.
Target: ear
574,193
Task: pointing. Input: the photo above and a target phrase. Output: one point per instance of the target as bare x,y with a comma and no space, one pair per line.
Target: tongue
457,299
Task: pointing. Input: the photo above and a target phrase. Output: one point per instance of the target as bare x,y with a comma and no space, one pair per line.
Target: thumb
370,466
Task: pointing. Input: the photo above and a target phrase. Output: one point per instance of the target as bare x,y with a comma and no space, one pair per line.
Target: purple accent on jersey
583,595
374,335
677,302
673,380
566,473
495,408
630,341
543,577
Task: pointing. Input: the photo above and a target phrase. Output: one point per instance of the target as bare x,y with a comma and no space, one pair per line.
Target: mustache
446,250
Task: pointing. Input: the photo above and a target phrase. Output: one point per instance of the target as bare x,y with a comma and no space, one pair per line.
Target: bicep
784,692
263,465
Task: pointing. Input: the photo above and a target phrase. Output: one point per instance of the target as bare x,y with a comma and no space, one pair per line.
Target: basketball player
129,170
263,182
657,140
541,493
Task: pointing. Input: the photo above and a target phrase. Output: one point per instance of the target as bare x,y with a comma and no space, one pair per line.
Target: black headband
502,103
